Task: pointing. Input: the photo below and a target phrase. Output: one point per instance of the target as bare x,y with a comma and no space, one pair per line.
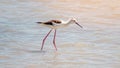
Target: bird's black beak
78,24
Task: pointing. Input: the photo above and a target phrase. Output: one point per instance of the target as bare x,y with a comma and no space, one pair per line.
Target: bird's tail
39,22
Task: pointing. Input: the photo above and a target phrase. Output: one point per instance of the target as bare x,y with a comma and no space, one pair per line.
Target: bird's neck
69,22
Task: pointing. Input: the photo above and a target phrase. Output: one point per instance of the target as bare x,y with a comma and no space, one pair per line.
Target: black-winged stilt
54,24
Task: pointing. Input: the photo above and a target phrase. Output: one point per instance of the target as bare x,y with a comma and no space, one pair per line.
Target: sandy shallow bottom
95,46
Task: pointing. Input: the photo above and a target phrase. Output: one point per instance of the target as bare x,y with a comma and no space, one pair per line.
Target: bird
54,25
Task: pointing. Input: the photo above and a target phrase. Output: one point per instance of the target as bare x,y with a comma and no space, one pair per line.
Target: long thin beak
78,24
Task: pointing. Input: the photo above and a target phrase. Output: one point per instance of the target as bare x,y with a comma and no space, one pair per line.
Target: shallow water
94,46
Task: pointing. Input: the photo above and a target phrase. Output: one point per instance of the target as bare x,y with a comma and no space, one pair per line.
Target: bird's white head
73,20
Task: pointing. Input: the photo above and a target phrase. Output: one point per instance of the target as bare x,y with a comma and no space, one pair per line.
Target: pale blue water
94,46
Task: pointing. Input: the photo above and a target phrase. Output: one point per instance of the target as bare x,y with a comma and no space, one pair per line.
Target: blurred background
94,46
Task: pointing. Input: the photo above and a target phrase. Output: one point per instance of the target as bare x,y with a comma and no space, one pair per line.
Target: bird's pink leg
54,40
45,39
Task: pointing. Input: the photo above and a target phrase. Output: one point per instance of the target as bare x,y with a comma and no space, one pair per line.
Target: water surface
94,46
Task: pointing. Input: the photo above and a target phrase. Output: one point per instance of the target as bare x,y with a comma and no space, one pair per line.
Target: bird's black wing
48,23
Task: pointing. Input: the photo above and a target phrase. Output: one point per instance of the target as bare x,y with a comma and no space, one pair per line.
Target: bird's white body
59,25
55,26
